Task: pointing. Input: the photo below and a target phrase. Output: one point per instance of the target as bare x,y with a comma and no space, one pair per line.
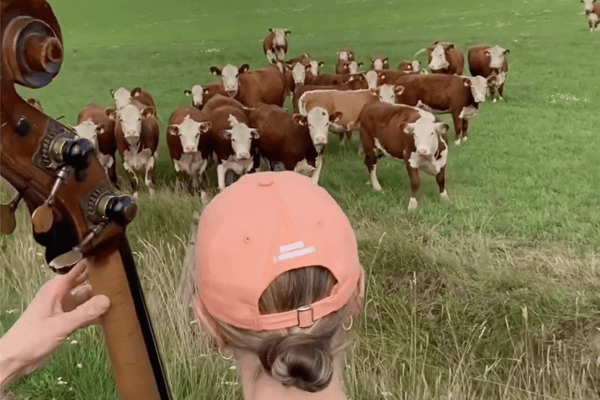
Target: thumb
86,313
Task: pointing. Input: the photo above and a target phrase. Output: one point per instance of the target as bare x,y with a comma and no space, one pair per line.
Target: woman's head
277,274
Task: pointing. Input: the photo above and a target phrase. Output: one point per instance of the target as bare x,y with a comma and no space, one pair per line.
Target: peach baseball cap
261,226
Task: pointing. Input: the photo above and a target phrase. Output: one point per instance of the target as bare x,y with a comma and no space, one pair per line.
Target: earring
351,322
223,357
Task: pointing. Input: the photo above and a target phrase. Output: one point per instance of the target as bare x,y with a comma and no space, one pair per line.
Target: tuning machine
8,221
63,263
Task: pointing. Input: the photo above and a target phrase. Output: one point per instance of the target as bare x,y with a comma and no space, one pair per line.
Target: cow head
314,66
415,66
121,96
588,5
426,133
299,73
90,131
497,56
230,75
280,36
189,133
130,119
478,85
371,78
379,63
345,55
387,93
318,121
197,95
438,56
241,137
351,67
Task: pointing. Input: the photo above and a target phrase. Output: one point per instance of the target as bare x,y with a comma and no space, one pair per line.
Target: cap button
264,182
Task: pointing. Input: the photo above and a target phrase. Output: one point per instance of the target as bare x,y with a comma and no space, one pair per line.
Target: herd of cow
239,122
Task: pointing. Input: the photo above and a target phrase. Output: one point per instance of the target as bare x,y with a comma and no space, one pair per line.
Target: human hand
60,307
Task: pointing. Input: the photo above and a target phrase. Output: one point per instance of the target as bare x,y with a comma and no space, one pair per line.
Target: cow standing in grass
445,58
200,94
275,45
490,63
591,9
122,97
379,62
407,134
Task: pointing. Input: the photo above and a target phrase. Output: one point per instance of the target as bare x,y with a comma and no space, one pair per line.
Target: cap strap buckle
305,316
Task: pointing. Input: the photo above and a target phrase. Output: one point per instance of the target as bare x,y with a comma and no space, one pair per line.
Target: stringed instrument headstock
72,202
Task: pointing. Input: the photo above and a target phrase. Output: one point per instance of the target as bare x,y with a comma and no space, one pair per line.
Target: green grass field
495,295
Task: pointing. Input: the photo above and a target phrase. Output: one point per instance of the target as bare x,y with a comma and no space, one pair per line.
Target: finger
78,274
85,314
77,296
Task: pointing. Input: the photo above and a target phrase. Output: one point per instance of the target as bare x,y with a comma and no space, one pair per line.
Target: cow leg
271,56
317,171
500,91
413,174
464,137
458,126
441,181
221,176
493,93
112,175
132,178
149,179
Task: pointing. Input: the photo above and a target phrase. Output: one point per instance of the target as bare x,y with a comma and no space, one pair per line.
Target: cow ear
100,129
147,112
506,51
136,91
225,134
287,31
450,47
254,133
409,128
110,113
467,82
205,126
335,117
299,119
441,128
385,60
215,71
173,130
112,92
398,89
486,52
244,68
187,92
360,64
271,30
205,90
321,63
31,101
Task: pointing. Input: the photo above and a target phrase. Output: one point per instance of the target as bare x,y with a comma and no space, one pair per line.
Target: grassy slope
521,231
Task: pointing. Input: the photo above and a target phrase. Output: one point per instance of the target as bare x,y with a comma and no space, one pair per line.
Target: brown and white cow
252,87
297,141
445,58
491,63
231,137
310,63
409,66
275,45
591,9
347,67
137,136
94,124
186,130
353,84
439,93
407,134
35,103
379,62
122,97
346,54
200,94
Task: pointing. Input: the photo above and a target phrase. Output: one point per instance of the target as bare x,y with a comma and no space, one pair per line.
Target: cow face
378,64
426,133
241,138
130,119
415,66
314,67
438,58
318,121
371,78
230,75
497,56
299,74
121,96
189,133
479,87
90,131
197,95
388,93
346,55
280,36
588,5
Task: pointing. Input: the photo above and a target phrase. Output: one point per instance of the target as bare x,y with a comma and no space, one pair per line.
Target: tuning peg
8,222
63,263
75,152
119,209
42,217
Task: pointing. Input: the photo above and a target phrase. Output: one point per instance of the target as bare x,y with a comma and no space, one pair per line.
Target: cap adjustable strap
305,316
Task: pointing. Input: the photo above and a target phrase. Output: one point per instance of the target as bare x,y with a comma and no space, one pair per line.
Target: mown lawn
495,295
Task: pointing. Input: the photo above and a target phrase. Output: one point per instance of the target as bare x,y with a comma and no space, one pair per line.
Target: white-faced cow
591,9
136,133
379,62
231,137
352,84
297,141
346,54
347,67
409,135
94,124
200,94
186,133
438,93
275,45
490,63
122,97
409,66
445,58
252,87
